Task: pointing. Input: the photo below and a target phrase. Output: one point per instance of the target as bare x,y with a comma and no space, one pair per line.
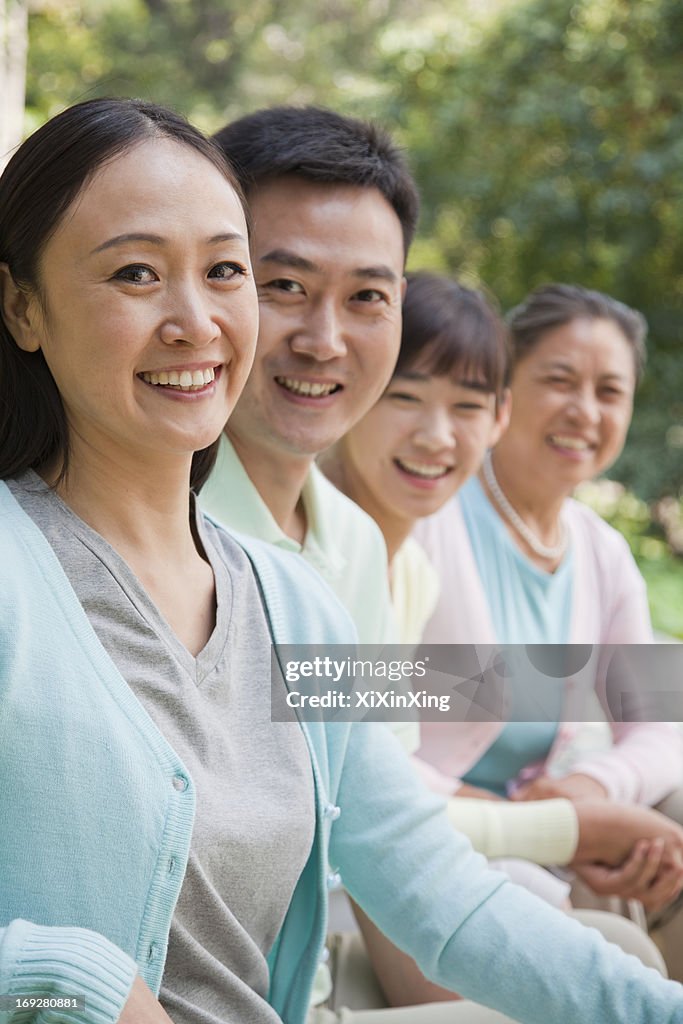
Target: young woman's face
421,442
572,399
147,312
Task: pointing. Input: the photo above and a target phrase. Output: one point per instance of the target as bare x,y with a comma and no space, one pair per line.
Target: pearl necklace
514,518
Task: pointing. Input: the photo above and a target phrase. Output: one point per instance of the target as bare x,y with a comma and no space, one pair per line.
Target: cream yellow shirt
414,590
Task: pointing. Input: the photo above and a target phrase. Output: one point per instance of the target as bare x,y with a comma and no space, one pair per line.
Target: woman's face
420,443
147,312
572,399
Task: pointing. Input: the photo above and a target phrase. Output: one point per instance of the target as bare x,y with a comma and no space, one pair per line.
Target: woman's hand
571,787
475,793
142,1007
648,875
609,831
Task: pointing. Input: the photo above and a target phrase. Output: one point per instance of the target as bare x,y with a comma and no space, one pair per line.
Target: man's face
328,263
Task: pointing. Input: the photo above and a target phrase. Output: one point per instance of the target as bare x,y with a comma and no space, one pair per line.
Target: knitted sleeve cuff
63,962
542,831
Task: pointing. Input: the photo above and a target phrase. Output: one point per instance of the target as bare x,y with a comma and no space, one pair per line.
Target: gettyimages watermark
477,682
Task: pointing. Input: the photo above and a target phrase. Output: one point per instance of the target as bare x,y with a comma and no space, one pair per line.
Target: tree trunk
13,49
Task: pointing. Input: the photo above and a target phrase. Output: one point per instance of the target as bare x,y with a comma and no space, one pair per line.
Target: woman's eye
136,273
402,396
225,271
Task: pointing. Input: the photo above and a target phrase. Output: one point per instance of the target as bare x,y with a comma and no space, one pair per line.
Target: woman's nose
435,431
586,406
191,321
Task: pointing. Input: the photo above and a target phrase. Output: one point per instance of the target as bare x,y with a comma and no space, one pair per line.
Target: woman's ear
19,311
503,410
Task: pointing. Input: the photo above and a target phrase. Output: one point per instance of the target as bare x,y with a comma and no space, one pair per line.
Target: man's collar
320,546
231,496
249,513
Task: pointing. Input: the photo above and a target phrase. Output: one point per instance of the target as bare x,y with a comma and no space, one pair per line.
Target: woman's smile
183,382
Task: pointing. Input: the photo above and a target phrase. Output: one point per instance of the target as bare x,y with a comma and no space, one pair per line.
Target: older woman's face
572,399
147,314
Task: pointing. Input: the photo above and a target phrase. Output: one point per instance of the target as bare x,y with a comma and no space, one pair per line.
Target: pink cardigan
609,607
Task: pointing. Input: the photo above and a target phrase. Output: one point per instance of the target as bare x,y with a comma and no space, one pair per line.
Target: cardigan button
332,811
333,880
180,783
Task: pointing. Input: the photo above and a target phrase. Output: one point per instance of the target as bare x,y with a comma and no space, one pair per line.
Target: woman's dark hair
39,184
553,305
448,328
321,146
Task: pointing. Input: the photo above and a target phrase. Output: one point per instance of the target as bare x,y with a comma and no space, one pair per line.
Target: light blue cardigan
96,815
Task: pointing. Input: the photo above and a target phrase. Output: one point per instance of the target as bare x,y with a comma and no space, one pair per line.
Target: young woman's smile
417,446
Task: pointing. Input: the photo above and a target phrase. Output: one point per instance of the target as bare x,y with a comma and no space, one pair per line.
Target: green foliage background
546,135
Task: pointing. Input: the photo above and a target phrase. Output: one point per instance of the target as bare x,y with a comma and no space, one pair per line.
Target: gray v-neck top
254,823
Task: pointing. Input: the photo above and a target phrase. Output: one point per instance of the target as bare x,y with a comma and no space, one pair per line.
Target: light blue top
97,813
529,606
517,745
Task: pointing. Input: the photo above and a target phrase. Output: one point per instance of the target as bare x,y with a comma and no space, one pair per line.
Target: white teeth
304,387
423,469
185,380
575,443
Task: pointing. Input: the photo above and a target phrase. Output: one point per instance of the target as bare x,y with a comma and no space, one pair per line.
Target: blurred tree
553,151
211,59
547,135
13,47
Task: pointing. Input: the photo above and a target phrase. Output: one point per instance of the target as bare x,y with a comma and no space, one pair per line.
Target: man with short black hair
334,208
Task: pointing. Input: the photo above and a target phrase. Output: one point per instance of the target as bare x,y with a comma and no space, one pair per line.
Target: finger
540,789
663,890
672,858
639,879
520,794
609,881
629,872
602,879
652,864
